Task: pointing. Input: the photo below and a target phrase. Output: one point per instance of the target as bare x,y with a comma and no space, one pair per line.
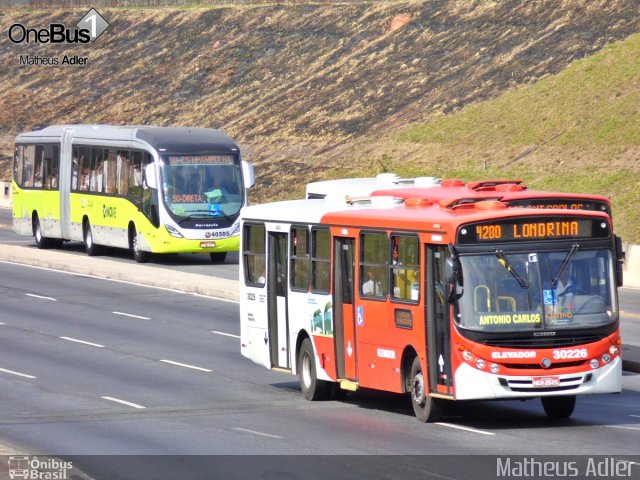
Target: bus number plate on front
544,382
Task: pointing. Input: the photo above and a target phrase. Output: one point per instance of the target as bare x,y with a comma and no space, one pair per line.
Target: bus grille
537,366
541,342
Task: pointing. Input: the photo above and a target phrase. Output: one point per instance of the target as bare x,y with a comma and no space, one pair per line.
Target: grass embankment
576,131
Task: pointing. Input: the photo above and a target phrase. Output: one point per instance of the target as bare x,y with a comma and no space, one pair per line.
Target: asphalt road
90,367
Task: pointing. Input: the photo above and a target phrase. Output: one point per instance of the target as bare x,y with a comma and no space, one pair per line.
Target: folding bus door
277,300
343,310
438,327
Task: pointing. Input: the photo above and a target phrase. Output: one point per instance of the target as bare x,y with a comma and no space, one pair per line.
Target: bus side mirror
150,176
620,257
248,175
453,277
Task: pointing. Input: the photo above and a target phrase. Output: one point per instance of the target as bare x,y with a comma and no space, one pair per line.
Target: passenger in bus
371,287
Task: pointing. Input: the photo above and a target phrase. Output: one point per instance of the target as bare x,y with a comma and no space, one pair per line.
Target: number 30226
568,354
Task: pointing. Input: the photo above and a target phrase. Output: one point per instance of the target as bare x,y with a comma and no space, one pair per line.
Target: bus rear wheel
41,240
90,246
312,388
218,257
425,407
559,407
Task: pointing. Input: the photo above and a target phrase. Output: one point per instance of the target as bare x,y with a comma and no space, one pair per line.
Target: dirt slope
292,82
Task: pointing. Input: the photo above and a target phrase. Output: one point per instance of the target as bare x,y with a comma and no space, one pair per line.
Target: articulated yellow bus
146,189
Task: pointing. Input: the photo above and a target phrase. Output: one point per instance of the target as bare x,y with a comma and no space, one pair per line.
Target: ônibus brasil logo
88,29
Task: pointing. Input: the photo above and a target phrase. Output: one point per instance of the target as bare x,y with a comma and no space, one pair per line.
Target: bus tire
41,240
90,246
559,407
425,407
218,257
312,388
139,255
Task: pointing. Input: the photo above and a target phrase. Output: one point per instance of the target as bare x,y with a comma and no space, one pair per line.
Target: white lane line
460,427
131,315
178,364
75,340
2,323
51,299
635,416
17,373
254,432
225,334
124,402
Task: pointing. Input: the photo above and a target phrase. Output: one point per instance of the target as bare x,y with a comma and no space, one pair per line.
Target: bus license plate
543,382
207,244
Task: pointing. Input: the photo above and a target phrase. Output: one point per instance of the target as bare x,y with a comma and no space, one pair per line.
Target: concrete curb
105,268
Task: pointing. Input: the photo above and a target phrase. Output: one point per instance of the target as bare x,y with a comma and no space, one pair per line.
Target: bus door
64,181
344,321
277,300
437,318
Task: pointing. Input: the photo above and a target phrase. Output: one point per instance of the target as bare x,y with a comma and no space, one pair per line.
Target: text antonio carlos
87,30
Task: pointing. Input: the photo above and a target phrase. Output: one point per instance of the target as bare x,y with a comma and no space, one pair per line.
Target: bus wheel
41,241
139,255
559,407
89,245
312,388
426,408
218,257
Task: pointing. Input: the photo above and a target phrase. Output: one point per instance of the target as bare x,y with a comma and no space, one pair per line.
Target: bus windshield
515,291
201,186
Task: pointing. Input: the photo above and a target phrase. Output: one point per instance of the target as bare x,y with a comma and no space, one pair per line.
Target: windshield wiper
504,261
564,264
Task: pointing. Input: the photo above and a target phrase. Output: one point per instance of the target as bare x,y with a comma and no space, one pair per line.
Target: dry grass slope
305,87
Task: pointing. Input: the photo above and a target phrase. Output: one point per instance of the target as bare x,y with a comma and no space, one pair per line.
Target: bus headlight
613,350
467,355
494,367
236,230
594,363
606,358
173,231
480,364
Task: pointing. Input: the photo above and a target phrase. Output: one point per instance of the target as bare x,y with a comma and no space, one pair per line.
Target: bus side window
17,165
320,260
28,161
374,281
405,272
299,259
253,255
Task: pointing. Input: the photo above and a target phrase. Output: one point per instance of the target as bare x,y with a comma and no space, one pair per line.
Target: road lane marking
635,416
629,314
185,365
254,432
460,427
131,315
124,402
623,427
115,280
41,297
225,334
75,340
17,373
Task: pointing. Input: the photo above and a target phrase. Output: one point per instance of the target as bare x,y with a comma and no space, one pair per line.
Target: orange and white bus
445,301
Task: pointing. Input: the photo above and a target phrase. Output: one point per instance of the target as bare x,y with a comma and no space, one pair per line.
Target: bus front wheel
312,388
559,407
139,255
425,407
218,257
90,246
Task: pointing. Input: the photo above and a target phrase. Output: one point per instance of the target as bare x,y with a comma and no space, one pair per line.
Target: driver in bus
216,191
